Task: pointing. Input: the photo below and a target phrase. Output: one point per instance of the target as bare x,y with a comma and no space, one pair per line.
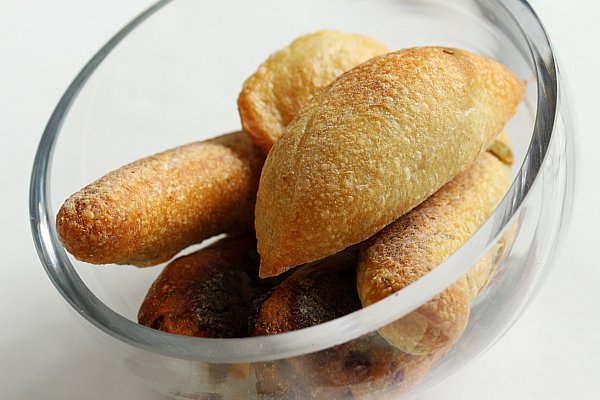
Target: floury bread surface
147,211
289,78
374,144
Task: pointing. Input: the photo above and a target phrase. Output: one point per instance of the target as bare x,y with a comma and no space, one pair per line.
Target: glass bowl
172,76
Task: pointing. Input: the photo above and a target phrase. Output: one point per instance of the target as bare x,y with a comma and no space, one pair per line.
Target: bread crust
417,242
315,294
375,143
207,293
147,211
289,78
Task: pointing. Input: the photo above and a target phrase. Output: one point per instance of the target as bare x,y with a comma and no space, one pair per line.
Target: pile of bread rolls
358,171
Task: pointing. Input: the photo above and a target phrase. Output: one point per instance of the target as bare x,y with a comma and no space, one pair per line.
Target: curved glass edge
555,186
547,66
64,277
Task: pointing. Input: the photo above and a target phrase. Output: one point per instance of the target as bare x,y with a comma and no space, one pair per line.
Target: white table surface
551,353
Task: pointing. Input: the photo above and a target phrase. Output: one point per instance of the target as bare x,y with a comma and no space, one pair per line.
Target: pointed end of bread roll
272,261
292,245
270,269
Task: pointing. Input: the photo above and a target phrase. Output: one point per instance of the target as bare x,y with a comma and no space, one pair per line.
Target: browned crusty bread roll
314,294
147,211
208,293
366,367
375,143
272,96
417,242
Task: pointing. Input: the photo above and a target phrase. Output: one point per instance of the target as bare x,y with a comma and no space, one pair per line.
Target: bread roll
362,368
417,242
314,294
147,211
207,293
272,96
375,143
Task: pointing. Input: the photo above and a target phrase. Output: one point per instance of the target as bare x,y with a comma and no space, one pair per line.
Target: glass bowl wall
172,76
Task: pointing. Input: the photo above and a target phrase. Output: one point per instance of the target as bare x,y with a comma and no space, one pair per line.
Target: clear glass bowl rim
341,330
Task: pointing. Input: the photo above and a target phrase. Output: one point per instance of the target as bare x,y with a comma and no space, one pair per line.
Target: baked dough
364,367
314,294
375,143
208,293
147,211
289,78
417,242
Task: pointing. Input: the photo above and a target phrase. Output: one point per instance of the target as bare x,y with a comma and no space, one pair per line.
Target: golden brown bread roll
375,143
208,293
362,368
272,96
147,211
416,243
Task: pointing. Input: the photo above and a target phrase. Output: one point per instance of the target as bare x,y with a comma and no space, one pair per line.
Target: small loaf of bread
417,242
375,143
208,293
289,78
315,294
147,211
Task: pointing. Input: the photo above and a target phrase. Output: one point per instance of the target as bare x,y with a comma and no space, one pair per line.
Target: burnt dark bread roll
313,294
317,293
208,293
365,367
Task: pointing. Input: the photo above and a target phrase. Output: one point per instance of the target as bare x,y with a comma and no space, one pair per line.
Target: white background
551,353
